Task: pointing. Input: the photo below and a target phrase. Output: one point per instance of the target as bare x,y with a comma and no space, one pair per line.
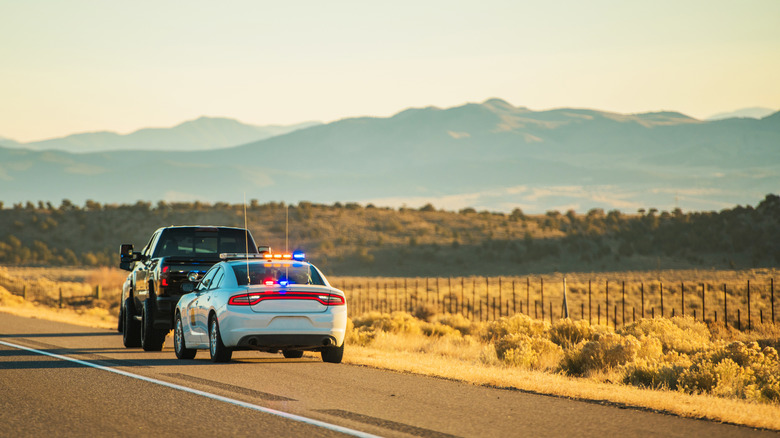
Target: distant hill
203,133
491,155
753,113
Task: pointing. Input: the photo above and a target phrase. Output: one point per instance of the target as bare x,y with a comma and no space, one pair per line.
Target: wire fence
62,294
614,303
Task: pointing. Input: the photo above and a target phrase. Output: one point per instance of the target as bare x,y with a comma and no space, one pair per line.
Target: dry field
679,366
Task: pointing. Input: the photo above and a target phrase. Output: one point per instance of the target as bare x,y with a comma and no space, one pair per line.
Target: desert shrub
526,351
362,335
655,374
396,322
567,333
438,330
605,352
681,334
456,321
424,312
516,324
741,370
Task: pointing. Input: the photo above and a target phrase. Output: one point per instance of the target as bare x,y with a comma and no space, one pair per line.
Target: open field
677,365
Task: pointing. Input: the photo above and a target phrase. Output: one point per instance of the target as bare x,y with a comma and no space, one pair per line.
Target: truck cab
168,267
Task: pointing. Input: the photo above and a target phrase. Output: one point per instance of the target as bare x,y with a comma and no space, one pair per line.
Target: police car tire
332,354
179,345
217,350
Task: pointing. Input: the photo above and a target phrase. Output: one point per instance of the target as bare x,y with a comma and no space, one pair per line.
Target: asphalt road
44,395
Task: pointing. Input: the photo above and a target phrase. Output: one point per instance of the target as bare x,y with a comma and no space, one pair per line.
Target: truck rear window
203,242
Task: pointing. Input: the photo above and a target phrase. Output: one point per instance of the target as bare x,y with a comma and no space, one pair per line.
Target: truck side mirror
126,252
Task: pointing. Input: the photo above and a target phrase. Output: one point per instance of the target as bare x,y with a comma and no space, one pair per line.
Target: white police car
265,302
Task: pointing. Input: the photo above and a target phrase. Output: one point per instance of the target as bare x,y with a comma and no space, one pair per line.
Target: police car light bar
236,255
297,255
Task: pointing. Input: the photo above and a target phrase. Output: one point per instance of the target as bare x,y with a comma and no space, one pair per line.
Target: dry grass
90,317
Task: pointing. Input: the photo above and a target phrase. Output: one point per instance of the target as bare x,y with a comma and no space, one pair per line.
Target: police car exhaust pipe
326,342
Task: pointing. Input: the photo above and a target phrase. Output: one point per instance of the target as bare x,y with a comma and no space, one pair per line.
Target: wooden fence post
590,316
725,307
682,297
606,305
772,290
703,303
24,292
598,313
624,302
500,313
97,291
749,326
662,298
60,301
514,300
642,289
528,294
541,294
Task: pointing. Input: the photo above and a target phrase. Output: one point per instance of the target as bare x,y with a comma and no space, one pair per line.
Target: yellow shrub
516,324
529,352
567,333
681,334
605,352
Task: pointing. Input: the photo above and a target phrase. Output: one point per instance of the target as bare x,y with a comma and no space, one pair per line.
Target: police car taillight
252,298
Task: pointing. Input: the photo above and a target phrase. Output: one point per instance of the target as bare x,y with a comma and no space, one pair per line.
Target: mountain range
203,133
490,155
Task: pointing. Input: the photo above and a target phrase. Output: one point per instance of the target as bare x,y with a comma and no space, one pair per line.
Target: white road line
270,411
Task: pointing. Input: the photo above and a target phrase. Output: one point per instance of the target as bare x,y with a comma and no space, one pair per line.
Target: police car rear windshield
277,274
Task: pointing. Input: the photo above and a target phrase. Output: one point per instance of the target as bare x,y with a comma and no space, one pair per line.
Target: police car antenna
246,243
287,230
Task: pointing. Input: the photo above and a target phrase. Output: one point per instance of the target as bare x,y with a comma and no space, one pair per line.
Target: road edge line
286,415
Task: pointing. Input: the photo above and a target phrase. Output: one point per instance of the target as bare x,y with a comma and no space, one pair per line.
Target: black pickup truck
168,267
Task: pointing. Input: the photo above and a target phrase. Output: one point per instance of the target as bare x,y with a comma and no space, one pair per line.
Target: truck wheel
121,320
292,354
131,333
218,351
151,339
333,354
179,346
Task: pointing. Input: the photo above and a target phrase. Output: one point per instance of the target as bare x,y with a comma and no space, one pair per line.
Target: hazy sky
77,65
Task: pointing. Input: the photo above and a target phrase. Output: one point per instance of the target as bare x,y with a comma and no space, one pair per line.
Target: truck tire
131,332
121,320
151,339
